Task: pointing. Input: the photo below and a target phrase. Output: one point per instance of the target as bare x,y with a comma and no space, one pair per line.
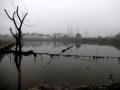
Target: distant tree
117,36
99,37
78,36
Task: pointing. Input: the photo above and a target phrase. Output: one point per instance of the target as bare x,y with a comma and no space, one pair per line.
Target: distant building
35,36
58,35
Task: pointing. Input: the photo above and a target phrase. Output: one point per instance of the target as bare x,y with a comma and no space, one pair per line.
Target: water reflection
78,45
3,86
47,43
95,61
17,60
1,56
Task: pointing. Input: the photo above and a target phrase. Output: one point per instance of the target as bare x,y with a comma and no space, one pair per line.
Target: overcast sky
88,17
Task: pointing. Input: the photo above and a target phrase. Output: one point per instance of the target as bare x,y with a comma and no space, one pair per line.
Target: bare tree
13,18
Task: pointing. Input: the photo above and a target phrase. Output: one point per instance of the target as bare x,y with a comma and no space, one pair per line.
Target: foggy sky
88,17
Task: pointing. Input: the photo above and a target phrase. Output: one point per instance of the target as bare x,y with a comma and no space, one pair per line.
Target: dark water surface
61,69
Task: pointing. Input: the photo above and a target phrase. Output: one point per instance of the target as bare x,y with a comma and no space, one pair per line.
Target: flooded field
83,70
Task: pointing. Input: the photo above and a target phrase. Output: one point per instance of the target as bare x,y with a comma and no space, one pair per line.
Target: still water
54,70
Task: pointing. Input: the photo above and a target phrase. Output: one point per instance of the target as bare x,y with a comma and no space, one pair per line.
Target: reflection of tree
1,56
117,47
119,60
17,60
77,44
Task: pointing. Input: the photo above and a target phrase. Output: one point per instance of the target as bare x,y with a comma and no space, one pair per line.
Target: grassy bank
3,42
6,44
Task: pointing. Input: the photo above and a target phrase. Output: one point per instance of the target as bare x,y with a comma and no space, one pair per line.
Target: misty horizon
91,18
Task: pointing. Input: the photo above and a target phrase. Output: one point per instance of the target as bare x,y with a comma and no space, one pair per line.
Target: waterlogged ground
61,70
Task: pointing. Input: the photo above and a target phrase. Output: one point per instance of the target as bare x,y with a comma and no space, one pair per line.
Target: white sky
92,17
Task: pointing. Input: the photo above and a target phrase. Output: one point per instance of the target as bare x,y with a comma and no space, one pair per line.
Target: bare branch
13,33
18,14
13,18
8,14
15,22
24,17
23,20
13,15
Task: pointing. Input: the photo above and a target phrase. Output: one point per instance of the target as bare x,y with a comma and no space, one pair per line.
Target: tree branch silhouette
18,14
21,20
13,33
8,14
